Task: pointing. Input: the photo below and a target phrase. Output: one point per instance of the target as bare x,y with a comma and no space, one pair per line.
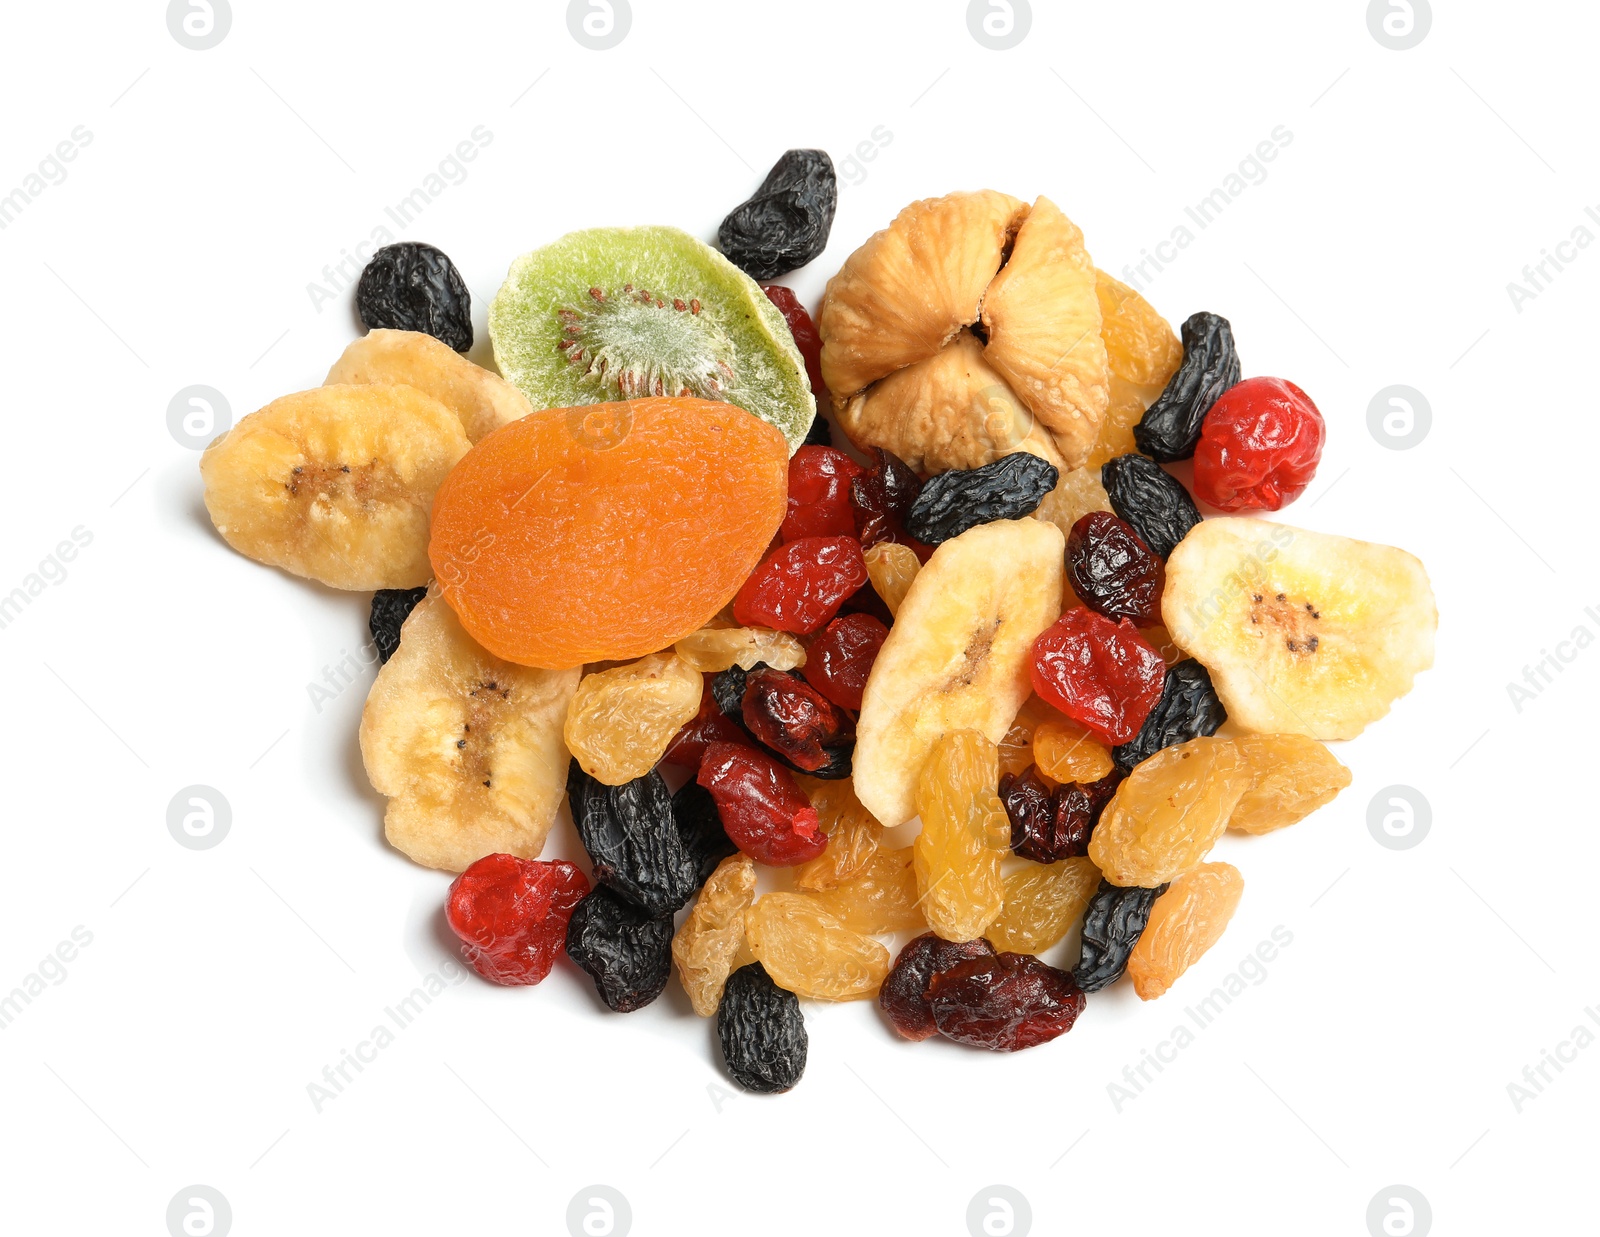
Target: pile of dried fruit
637,562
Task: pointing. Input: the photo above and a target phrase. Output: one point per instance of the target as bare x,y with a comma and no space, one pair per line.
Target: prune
1112,570
705,946
1009,488
1259,447
1100,674
1004,1003
626,950
1151,499
620,721
1111,928
1188,919
390,609
511,915
809,341
633,840
809,952
727,689
694,811
819,494
839,661
1188,708
410,286
762,1032
964,835
904,994
763,811
785,224
706,727
883,497
800,586
1067,753
1171,426
1291,777
793,718
1043,901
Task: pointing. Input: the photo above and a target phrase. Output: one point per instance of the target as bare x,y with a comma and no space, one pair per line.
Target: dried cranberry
707,726
839,661
1103,675
1112,571
805,335
1259,447
819,494
904,994
793,718
768,817
511,915
1048,825
800,586
1004,1003
883,498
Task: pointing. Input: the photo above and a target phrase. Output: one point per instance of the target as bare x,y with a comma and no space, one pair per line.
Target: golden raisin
853,834
1016,749
891,567
1067,753
811,953
621,720
1291,777
706,944
1043,901
1160,639
1077,493
716,647
1188,919
1124,411
881,898
965,832
1140,347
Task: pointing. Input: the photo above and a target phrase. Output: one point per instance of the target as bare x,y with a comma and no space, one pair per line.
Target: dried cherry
390,609
808,340
708,726
762,1032
1189,708
1103,675
1170,427
786,222
839,661
694,811
883,497
633,841
763,811
410,286
1111,928
1007,489
1259,447
904,994
511,915
1151,499
1112,571
1051,824
1004,1003
625,949
800,586
793,718
819,494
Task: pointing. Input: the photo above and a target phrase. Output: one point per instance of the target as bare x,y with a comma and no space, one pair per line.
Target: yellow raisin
809,952
1067,753
1124,411
1140,346
1077,493
621,720
1016,749
1169,812
965,833
891,567
853,834
714,648
706,944
881,898
1043,901
1160,639
1291,776
1188,919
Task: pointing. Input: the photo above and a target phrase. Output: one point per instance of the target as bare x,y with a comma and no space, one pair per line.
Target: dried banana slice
335,484
467,747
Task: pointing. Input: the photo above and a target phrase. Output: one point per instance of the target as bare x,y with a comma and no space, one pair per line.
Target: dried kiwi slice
621,313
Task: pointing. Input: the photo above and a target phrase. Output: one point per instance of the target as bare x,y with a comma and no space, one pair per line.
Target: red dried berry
840,659
1004,1003
1048,825
1112,571
766,815
801,585
1259,447
904,994
793,718
805,335
1103,675
883,498
511,915
819,494
710,725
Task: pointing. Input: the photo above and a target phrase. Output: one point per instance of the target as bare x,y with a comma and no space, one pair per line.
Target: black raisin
1009,488
626,950
1151,499
785,224
1112,571
415,287
820,434
727,689
1171,426
390,608
762,1031
633,840
700,827
1189,708
1111,928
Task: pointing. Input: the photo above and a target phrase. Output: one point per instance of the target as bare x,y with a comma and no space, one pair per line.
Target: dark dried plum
883,498
763,1035
1170,427
785,224
1111,928
1007,489
904,994
1005,1003
1112,571
415,287
626,950
1189,708
700,827
792,718
1151,499
633,840
727,689
390,609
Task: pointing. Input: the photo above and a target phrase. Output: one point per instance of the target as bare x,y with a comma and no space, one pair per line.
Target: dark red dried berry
1048,825
800,586
766,814
819,494
806,337
839,661
883,498
709,725
511,915
904,994
1004,1003
1112,571
1103,675
793,718
1259,447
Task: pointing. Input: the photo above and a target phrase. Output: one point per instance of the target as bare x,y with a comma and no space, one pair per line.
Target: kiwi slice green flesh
623,313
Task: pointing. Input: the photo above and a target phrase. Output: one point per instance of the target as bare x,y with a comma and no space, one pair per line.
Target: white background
219,983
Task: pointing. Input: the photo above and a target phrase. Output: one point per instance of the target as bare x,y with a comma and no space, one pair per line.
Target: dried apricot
1188,919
